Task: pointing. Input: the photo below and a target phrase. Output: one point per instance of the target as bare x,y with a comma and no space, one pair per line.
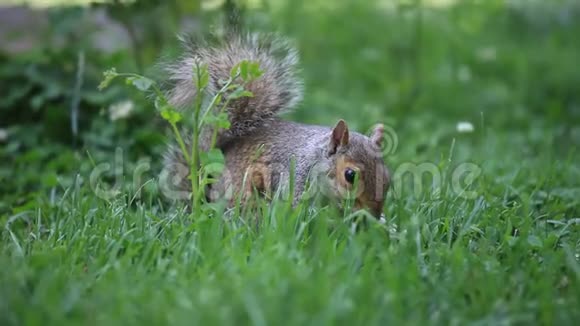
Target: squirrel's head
357,167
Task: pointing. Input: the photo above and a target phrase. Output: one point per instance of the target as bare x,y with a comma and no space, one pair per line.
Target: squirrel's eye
349,175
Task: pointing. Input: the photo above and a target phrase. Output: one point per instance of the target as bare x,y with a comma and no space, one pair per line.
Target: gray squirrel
259,145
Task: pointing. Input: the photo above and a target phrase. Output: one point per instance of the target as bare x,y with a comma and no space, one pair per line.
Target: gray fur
277,91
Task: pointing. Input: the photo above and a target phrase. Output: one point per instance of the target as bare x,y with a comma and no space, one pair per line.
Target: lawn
483,96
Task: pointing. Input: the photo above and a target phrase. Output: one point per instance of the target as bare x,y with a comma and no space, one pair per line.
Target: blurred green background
507,67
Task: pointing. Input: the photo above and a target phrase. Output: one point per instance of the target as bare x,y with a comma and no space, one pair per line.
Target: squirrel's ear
339,136
378,134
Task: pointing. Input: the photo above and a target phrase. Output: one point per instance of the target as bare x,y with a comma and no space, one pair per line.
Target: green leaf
214,168
233,87
212,156
244,69
246,93
160,103
235,70
171,115
238,93
218,99
213,161
254,70
221,120
109,76
140,82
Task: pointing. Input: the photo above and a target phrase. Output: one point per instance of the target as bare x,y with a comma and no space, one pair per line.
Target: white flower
121,110
464,127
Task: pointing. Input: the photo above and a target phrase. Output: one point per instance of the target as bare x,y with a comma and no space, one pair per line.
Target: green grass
508,256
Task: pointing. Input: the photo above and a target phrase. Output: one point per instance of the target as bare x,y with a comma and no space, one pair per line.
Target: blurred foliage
507,69
418,67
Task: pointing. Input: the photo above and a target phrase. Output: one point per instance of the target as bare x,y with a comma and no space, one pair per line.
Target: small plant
205,167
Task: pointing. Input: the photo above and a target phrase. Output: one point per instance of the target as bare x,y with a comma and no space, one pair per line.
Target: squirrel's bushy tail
279,89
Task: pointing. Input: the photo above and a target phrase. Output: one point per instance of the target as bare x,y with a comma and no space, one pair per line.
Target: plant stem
195,184
215,131
196,188
218,95
181,143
